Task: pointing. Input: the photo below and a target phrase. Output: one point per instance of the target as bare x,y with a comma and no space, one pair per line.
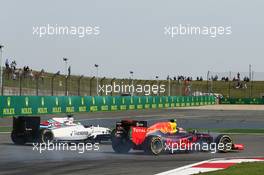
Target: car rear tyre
18,140
154,145
120,145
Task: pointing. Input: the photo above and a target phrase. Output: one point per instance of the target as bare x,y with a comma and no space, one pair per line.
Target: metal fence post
229,85
37,86
1,68
20,84
101,81
91,80
180,83
134,84
208,81
52,82
52,78
66,85
159,86
169,86
252,83
79,85
143,85
3,78
112,85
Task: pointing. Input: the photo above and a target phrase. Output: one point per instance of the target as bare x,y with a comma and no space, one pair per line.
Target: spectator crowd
11,71
238,82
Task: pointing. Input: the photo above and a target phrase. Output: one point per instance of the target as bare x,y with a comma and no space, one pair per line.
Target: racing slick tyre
47,136
120,144
227,142
154,145
18,140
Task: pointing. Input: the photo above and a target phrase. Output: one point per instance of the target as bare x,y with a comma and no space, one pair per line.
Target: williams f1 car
29,129
166,137
65,129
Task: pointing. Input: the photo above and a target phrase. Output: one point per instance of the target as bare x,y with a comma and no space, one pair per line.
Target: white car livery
64,129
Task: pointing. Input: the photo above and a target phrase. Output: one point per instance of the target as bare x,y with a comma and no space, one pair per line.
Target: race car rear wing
132,129
125,125
132,123
25,129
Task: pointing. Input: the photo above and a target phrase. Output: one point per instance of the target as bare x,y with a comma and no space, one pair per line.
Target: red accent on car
138,135
238,146
44,123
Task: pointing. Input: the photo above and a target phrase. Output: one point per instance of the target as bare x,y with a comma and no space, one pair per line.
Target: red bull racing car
167,137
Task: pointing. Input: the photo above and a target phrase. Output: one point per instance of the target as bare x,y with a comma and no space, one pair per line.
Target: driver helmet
70,119
173,123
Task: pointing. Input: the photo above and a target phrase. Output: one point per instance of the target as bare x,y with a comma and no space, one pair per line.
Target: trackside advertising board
41,105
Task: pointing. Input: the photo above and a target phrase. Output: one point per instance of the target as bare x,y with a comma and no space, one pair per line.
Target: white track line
178,170
208,165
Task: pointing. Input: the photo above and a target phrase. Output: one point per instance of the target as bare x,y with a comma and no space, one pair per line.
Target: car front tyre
225,140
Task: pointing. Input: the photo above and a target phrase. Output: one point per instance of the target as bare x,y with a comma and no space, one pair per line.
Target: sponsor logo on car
76,133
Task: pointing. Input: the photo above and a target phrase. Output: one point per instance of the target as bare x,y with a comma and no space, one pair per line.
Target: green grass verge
256,168
5,129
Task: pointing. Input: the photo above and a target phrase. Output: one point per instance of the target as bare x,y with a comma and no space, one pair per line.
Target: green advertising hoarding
41,105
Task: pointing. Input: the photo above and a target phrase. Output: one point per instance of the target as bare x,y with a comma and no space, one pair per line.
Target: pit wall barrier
41,105
259,101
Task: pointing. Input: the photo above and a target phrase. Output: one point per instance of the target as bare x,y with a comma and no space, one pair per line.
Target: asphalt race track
23,160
